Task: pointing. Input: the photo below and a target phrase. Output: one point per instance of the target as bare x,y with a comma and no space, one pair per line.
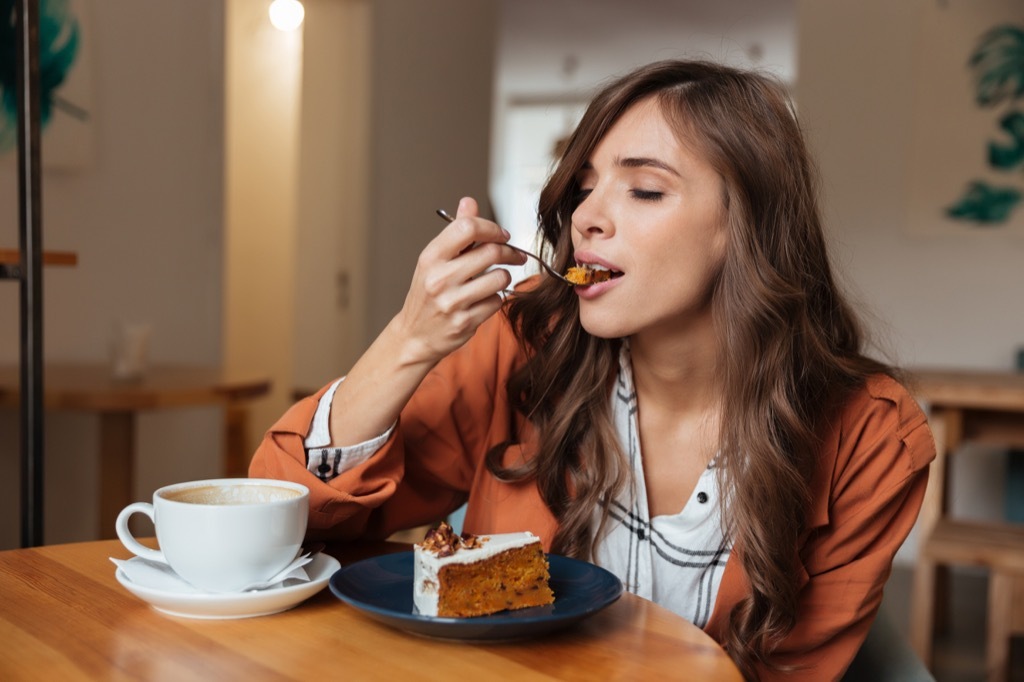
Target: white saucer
236,605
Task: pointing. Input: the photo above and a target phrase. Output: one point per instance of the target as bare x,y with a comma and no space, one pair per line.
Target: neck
678,372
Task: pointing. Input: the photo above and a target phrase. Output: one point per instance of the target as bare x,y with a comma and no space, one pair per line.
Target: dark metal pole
29,204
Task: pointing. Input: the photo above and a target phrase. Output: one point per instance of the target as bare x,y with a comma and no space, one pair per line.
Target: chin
604,327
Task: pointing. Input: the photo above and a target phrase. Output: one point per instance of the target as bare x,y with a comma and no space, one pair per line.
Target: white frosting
426,565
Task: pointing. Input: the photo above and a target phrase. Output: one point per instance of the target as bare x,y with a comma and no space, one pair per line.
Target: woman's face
651,211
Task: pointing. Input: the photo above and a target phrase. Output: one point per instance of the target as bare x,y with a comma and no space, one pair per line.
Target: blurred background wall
144,211
937,294
261,197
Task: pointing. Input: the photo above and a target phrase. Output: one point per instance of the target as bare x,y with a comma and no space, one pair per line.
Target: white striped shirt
675,561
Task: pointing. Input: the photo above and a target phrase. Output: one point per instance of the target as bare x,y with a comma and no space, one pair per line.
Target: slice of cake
585,275
472,575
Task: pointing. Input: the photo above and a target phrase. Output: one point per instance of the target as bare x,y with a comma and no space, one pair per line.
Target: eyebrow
639,162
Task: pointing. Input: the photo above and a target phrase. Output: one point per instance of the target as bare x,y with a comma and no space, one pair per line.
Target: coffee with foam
231,494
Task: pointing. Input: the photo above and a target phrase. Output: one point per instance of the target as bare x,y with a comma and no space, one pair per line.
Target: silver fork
551,271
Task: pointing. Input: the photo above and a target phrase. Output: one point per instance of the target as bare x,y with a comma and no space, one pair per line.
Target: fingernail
507,234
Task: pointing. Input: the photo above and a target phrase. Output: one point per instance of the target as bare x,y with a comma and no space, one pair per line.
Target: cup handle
126,537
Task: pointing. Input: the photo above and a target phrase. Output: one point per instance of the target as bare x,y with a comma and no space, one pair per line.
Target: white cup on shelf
129,350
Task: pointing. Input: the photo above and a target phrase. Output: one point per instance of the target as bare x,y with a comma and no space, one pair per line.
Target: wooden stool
965,406
996,547
1005,619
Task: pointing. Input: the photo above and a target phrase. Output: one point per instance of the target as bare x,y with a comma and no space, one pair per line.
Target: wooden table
967,407
13,257
10,260
91,388
64,616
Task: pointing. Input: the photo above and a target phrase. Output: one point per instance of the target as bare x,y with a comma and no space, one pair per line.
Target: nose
591,217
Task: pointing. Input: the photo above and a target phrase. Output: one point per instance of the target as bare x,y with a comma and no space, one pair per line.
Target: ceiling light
286,15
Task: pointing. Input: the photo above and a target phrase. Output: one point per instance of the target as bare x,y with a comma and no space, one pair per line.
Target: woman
704,423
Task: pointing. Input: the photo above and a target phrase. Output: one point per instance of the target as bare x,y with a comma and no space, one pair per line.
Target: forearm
377,388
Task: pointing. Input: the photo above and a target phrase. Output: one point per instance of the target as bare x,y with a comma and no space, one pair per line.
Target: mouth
586,274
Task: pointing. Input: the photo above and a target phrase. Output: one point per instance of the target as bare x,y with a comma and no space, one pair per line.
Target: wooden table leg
117,468
951,438
237,452
1000,616
922,610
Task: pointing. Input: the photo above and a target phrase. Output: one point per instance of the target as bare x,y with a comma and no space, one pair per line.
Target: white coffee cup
221,535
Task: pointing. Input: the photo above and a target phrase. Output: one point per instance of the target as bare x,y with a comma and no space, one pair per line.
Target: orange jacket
866,494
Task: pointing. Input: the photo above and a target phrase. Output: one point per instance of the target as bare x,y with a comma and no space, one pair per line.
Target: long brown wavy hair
790,345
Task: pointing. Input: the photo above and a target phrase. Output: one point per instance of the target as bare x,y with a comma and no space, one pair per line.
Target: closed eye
646,195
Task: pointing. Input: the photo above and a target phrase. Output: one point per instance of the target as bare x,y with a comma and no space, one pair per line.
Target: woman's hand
453,290
451,294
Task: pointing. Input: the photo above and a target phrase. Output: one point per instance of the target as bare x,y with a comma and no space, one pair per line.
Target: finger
461,326
486,256
458,284
468,208
462,235
485,284
483,309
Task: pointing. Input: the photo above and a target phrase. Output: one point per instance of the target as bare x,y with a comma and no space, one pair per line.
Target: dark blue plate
381,588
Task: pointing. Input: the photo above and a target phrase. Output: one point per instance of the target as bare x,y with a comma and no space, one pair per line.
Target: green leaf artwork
985,204
58,48
998,66
1008,156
